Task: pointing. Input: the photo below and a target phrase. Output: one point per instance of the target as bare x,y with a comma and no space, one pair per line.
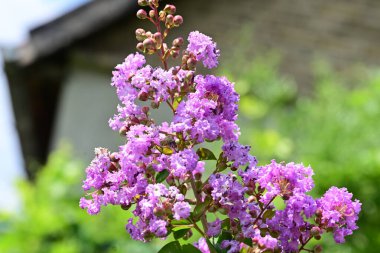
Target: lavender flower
204,49
339,212
158,172
202,245
284,180
181,210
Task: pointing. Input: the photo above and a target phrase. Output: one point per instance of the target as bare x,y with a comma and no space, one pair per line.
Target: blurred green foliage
51,220
336,130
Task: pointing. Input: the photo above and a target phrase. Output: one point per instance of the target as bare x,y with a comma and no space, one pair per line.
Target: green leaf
248,241
226,223
205,154
180,222
189,248
268,214
161,176
171,247
167,150
180,233
224,236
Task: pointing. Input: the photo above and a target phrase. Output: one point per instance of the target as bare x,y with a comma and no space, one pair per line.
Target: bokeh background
308,73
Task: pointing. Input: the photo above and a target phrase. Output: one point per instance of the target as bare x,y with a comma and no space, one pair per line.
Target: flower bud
198,176
141,14
149,43
191,63
178,20
142,2
178,42
315,231
152,13
140,34
114,157
145,109
162,16
123,130
140,47
158,38
169,21
143,96
318,213
170,9
154,3
207,188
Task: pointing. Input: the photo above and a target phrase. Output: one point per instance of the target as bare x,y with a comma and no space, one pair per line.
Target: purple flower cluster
159,173
204,49
338,212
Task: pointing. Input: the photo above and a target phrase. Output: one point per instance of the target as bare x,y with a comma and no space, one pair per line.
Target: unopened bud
162,16
170,9
145,109
151,14
143,96
149,43
140,47
178,42
169,21
141,14
142,2
158,38
123,130
191,63
178,20
207,188
114,157
154,3
315,231
185,58
140,34
318,213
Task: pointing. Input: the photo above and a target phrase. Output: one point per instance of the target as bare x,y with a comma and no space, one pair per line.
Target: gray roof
61,32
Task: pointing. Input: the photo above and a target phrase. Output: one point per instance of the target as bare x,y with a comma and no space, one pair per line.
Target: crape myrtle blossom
204,49
171,183
339,212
